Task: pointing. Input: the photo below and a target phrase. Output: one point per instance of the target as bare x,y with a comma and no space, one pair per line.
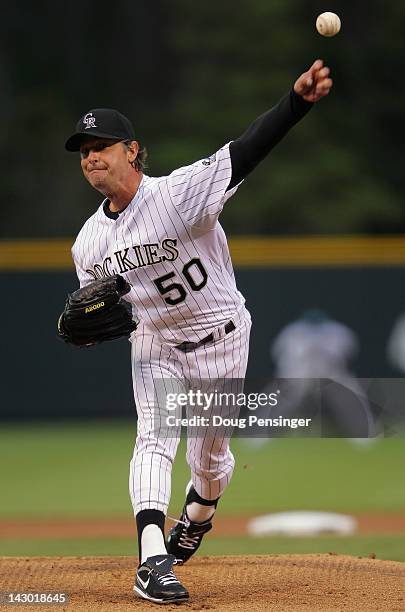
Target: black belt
186,347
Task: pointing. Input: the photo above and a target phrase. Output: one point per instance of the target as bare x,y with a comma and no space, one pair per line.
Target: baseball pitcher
154,266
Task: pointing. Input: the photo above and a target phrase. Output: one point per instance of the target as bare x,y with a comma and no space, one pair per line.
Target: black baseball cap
101,123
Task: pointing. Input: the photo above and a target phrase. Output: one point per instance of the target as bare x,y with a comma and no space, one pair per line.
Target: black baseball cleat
155,581
185,537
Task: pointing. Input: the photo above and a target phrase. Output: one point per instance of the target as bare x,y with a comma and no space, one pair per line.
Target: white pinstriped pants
210,459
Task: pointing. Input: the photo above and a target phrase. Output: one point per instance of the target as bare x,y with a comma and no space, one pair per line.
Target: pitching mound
283,583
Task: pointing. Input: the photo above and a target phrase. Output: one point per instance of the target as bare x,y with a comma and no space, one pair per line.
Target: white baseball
328,24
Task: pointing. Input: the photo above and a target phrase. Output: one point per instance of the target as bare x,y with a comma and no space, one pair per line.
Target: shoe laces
190,535
187,541
189,538
168,578
176,520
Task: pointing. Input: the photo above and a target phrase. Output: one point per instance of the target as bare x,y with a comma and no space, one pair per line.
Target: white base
302,523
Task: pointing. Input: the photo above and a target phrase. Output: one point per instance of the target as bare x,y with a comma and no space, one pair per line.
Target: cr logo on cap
89,121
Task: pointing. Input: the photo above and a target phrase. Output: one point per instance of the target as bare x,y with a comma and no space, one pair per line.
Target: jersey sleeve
84,278
199,191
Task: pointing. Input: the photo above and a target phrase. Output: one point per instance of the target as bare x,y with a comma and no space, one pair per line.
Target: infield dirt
282,583
393,522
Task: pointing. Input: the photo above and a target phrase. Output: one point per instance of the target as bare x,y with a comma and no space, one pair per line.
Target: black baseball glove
97,313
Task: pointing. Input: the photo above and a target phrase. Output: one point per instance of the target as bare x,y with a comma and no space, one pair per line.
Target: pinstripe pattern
208,452
182,207
170,247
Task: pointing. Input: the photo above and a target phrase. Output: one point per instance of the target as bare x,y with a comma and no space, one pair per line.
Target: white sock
152,542
199,513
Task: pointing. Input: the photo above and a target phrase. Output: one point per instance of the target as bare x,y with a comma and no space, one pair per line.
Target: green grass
65,469
81,469
384,547
326,474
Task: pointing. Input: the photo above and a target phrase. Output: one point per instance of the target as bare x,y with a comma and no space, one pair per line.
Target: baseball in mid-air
328,24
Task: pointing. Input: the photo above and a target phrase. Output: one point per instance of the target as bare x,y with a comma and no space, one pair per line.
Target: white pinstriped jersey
170,247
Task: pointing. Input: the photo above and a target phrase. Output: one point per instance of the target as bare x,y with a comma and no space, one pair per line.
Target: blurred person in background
312,357
318,347
396,344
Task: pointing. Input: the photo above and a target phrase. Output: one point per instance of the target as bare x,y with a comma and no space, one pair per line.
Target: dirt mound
284,583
